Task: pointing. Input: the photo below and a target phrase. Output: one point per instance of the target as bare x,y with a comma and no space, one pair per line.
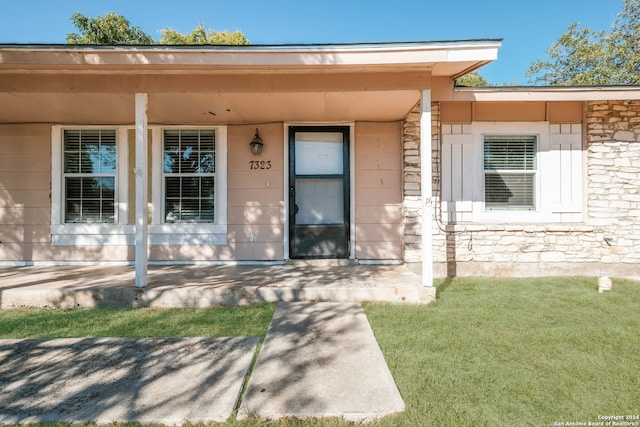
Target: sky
527,27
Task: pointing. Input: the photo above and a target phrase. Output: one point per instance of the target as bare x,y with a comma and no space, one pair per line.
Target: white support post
141,174
426,188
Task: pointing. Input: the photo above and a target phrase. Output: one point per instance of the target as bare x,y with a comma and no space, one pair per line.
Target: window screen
509,171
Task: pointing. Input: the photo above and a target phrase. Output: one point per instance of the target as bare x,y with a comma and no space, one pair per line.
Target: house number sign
259,164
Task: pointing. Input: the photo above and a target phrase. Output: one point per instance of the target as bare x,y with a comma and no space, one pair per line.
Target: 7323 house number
259,164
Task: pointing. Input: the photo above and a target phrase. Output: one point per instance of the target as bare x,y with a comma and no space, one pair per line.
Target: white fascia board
590,93
425,53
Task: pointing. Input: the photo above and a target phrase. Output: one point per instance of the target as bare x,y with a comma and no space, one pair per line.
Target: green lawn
492,352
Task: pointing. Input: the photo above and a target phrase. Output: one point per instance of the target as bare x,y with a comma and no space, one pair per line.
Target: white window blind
89,157
509,171
189,175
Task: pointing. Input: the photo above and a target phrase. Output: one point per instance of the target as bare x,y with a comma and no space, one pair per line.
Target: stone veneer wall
411,178
607,242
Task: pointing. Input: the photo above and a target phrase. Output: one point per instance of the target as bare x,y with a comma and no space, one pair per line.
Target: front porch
208,285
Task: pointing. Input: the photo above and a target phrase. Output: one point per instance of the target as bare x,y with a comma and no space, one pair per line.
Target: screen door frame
335,238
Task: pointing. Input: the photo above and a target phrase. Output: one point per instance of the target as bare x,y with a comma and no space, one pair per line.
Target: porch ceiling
217,85
207,108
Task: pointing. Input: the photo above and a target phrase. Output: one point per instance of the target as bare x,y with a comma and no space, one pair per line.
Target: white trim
539,129
426,188
220,214
87,234
122,171
286,189
418,54
162,233
545,210
352,191
122,233
141,177
591,93
156,167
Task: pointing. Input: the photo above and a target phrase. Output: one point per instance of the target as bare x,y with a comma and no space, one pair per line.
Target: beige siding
456,112
255,196
509,111
378,191
25,176
565,112
466,112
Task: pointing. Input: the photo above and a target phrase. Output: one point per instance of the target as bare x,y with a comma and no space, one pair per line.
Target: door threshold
321,262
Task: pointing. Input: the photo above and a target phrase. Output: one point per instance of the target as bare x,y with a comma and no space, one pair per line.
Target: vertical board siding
457,177
565,170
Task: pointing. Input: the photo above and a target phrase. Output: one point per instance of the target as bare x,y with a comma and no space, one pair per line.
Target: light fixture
256,144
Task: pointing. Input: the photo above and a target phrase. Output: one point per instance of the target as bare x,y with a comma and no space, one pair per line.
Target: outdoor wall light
256,144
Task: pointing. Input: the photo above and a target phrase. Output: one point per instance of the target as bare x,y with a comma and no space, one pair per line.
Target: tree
200,35
114,29
473,79
110,29
584,57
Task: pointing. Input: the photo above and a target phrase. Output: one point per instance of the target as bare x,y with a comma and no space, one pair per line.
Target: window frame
180,175
123,233
117,233
480,210
560,192
188,233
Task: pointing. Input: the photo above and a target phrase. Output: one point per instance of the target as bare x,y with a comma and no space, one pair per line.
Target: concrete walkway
106,380
208,285
318,360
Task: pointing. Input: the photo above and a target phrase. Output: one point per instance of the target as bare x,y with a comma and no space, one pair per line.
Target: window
509,171
189,175
517,172
89,158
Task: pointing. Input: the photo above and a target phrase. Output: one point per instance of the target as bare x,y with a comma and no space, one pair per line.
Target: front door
319,192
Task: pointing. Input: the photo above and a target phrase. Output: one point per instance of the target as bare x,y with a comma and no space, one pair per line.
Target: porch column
426,191
141,174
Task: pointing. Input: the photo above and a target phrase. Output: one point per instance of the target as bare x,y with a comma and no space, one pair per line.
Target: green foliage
585,57
110,29
113,29
201,36
473,79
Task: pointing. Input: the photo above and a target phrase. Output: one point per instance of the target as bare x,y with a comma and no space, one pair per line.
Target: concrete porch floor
208,285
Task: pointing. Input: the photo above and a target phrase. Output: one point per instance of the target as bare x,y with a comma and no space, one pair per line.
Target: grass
146,322
514,352
488,352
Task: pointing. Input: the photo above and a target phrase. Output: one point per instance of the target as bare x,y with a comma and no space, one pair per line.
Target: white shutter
563,172
457,177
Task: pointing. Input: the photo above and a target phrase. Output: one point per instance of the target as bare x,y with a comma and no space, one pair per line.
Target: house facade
265,154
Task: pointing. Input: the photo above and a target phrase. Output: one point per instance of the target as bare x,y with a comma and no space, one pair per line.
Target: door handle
296,209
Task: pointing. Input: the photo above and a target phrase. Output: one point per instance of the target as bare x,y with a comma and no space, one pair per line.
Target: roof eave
470,54
544,93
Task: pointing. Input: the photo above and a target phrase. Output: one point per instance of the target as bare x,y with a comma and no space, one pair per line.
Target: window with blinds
89,157
189,175
509,171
